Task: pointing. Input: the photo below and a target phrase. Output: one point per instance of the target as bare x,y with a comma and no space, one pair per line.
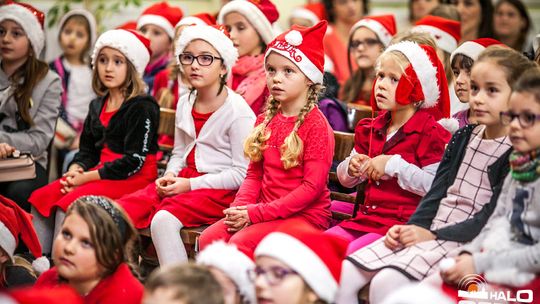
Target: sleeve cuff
252,211
393,165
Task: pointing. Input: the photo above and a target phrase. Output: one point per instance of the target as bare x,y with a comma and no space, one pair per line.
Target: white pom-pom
446,264
294,38
450,124
41,264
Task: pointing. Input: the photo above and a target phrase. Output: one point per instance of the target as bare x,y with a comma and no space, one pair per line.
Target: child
207,164
461,61
94,253
399,151
230,267
29,95
76,37
308,15
463,194
157,24
250,24
185,283
299,264
119,138
290,148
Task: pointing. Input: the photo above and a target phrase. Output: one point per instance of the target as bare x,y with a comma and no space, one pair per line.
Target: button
373,207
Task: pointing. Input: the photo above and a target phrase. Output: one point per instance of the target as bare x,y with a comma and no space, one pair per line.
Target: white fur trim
253,14
216,38
424,69
450,124
304,13
156,20
416,293
41,264
294,38
469,49
445,41
384,35
234,263
125,42
189,20
301,61
509,276
27,21
301,259
88,16
7,240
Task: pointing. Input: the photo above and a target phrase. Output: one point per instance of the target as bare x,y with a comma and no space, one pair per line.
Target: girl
250,25
94,253
476,19
512,24
287,259
463,194
157,24
119,138
404,143
462,60
290,149
29,95
76,37
207,165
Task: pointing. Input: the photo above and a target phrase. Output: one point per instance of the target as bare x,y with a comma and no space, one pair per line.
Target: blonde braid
255,143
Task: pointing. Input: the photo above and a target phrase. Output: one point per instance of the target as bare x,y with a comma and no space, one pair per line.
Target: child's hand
69,180
168,179
391,240
377,166
236,218
412,234
464,266
173,185
357,165
6,150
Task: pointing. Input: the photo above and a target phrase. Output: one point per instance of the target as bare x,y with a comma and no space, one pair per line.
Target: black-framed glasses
273,275
367,43
526,120
203,60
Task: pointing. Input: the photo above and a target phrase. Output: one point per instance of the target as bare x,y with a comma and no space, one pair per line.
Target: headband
106,205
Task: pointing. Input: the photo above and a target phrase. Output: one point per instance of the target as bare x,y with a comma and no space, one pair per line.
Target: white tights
165,231
47,228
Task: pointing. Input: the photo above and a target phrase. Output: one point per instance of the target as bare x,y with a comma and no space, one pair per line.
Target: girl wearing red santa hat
119,137
290,148
463,195
95,253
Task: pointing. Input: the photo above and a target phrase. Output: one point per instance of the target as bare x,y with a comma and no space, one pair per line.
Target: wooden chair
359,112
190,238
166,127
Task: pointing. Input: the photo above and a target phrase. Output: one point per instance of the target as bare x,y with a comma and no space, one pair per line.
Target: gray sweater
44,112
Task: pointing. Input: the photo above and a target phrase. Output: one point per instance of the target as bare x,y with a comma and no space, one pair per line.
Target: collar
415,124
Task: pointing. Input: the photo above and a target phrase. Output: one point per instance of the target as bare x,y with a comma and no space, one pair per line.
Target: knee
213,233
164,219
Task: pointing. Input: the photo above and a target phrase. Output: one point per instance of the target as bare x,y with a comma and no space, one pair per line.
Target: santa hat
473,48
260,13
128,25
216,35
197,19
446,32
15,222
304,47
133,45
163,15
88,16
384,26
424,80
234,263
313,12
30,19
315,256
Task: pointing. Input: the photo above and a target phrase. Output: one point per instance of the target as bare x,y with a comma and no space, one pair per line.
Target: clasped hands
236,218
73,178
170,184
362,165
406,235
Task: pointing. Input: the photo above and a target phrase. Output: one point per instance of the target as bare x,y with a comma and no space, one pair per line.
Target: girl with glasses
207,165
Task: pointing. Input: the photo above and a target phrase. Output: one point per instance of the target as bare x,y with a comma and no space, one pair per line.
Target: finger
241,208
390,243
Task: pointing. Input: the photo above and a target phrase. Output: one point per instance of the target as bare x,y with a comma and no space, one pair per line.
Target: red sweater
271,192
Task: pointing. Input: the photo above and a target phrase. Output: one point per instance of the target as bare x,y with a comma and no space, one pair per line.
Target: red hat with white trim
163,15
260,13
316,257
197,19
473,48
304,47
30,19
128,25
384,26
86,15
446,32
313,12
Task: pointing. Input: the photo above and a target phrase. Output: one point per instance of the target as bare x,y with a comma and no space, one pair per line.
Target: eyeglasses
370,42
203,60
273,275
526,120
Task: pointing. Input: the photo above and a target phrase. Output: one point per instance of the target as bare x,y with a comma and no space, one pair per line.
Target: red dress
193,208
119,287
46,198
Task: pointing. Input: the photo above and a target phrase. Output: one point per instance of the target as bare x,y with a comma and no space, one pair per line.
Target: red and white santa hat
197,19
314,255
384,26
15,223
216,35
473,48
234,263
304,47
89,18
260,13
128,25
446,32
131,43
30,19
163,15
424,80
313,12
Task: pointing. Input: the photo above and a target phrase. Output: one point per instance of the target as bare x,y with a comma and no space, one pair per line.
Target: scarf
525,167
252,68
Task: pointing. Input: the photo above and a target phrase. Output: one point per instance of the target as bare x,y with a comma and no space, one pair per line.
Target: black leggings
19,191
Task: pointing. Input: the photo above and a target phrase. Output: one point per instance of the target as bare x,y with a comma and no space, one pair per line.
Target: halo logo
472,290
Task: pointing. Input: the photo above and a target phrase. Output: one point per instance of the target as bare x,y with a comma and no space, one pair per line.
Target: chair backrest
166,121
344,143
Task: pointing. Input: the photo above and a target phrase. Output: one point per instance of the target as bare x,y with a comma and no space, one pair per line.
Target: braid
255,142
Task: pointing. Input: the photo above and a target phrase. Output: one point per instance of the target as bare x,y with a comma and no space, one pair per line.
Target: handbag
19,166
64,134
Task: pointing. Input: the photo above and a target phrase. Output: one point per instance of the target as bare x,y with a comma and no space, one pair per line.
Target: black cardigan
132,131
446,174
